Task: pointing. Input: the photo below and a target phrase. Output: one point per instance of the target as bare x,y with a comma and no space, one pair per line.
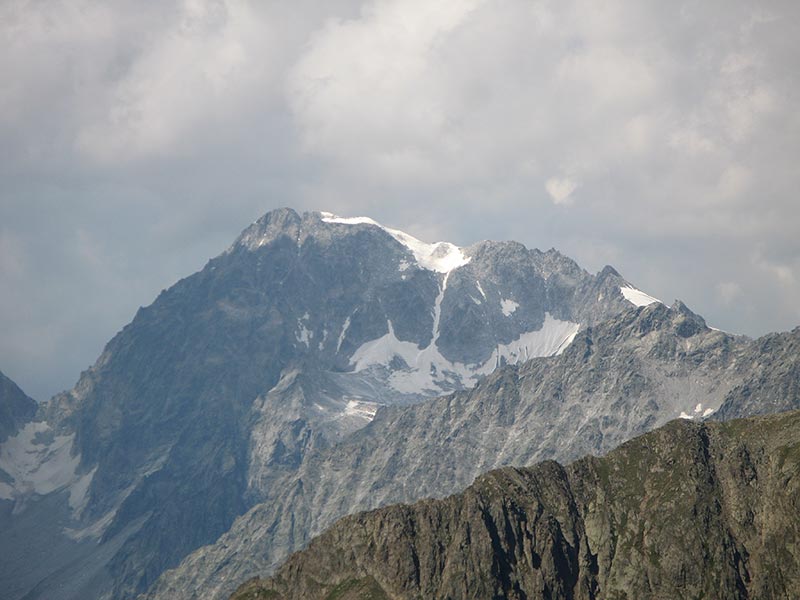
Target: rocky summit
692,510
280,348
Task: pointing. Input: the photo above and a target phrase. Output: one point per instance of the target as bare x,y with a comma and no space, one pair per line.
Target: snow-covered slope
637,297
441,257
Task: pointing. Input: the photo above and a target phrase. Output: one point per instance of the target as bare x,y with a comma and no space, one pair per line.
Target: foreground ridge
690,510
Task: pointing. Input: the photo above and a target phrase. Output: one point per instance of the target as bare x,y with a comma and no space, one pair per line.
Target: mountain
277,350
773,384
692,510
16,408
618,379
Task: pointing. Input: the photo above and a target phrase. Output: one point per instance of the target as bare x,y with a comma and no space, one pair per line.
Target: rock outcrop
692,510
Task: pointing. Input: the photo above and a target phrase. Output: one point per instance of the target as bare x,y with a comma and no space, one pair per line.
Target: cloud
445,93
729,291
374,89
216,56
560,189
783,273
136,140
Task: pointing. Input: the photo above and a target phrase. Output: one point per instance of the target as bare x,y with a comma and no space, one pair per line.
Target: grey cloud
138,139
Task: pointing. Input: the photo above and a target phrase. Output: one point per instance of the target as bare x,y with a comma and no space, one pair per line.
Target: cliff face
688,511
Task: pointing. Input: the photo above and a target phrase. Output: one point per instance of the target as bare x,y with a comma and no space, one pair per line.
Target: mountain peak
281,221
608,271
441,257
687,322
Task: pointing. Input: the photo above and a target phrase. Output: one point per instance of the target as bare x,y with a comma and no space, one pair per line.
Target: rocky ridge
691,510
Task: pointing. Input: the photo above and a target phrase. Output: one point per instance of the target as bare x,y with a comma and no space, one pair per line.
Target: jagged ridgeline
687,511
282,346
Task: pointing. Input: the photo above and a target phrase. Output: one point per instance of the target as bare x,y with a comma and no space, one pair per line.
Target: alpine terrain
692,510
237,383
616,380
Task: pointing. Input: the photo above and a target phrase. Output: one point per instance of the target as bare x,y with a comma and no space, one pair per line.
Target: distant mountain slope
618,379
16,408
279,348
688,511
772,382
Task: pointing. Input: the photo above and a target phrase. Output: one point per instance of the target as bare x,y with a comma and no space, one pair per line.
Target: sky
137,139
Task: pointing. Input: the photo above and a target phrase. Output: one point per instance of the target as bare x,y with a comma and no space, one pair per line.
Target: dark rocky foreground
688,511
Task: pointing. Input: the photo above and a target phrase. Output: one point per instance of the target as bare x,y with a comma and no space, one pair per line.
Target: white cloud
373,90
560,189
441,93
219,54
159,129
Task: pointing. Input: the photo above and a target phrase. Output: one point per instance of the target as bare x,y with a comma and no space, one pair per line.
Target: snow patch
429,371
441,257
697,413
437,311
480,289
552,339
508,307
39,463
304,335
637,297
345,327
361,409
383,350
332,218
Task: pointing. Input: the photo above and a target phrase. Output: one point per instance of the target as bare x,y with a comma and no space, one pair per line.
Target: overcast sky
138,138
